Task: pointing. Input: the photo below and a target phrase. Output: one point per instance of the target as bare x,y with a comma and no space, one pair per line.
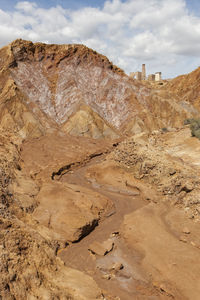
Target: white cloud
161,33
26,6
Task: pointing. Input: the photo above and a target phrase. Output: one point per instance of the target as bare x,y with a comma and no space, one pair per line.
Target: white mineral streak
31,80
106,92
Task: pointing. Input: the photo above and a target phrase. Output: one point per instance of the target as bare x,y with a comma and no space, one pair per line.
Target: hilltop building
137,75
158,76
152,77
143,72
142,75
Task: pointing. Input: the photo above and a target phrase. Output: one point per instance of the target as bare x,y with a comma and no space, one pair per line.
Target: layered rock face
75,88
96,200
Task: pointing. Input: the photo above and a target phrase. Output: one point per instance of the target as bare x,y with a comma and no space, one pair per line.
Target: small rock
101,248
186,230
117,266
115,233
172,171
193,244
183,239
198,210
188,187
106,276
166,288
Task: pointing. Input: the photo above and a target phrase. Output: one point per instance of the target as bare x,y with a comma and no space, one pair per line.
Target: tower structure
158,76
142,75
138,75
143,72
151,77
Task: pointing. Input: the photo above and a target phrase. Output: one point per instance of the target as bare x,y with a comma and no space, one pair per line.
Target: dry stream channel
118,271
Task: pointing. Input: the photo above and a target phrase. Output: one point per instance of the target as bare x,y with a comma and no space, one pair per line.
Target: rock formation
56,85
99,179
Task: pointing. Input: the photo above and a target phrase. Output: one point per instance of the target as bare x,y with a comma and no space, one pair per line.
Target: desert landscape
99,172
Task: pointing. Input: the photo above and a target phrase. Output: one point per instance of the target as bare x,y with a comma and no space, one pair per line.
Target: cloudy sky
164,34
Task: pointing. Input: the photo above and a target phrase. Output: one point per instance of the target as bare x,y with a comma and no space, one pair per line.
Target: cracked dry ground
122,216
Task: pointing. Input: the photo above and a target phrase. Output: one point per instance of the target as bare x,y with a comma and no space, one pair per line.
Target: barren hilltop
100,192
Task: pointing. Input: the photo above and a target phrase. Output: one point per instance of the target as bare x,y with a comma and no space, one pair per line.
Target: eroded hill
51,84
97,200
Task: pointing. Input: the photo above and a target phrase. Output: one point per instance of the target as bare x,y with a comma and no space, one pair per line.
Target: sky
163,34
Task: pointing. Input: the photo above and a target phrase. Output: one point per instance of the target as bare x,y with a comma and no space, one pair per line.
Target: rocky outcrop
68,182
80,91
70,211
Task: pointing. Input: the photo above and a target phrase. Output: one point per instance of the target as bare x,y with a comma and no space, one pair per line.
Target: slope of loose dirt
187,87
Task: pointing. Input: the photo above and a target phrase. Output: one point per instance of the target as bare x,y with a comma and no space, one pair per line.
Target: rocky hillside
97,200
186,87
50,84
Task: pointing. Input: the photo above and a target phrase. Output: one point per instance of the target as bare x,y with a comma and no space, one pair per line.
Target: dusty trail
131,282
